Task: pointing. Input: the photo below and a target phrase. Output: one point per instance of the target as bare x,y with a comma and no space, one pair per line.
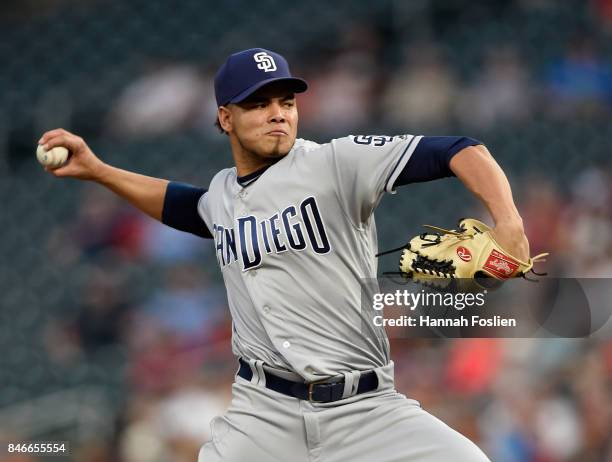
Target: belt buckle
310,390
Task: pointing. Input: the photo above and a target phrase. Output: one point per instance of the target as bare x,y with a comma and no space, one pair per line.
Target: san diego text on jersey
295,227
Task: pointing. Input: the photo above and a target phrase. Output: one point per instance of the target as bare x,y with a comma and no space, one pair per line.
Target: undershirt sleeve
181,209
431,158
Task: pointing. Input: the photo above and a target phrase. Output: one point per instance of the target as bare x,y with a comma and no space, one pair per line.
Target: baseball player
293,229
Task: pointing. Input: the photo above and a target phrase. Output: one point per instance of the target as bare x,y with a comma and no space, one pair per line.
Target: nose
276,113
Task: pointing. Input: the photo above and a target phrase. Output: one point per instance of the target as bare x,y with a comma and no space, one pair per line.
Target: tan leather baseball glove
467,253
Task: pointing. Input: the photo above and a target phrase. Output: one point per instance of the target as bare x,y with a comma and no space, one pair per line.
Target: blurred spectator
421,93
419,368
595,403
185,415
102,318
542,209
140,439
339,97
175,425
177,328
500,93
186,305
103,224
472,365
579,83
602,11
591,221
591,190
164,245
506,437
342,85
557,427
169,98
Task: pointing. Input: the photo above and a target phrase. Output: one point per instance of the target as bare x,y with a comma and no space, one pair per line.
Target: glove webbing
423,237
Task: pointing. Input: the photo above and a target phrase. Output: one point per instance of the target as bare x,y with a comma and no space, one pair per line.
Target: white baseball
54,158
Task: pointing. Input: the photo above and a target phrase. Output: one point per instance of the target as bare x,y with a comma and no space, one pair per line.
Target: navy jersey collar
246,180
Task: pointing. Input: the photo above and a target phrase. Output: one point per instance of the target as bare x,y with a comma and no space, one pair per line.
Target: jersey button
286,344
253,273
266,309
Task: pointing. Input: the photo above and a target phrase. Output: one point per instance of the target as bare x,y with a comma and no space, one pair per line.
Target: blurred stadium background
114,332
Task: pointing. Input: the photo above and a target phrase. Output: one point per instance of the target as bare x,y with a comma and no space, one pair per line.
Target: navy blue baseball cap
245,72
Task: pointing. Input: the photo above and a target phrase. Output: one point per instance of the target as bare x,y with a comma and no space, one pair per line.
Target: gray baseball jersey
294,246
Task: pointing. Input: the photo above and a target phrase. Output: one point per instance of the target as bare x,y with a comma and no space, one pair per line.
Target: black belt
316,392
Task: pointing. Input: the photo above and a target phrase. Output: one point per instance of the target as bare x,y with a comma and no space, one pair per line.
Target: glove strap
540,257
379,254
443,230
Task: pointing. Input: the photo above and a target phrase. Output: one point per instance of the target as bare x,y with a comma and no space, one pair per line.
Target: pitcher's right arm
174,204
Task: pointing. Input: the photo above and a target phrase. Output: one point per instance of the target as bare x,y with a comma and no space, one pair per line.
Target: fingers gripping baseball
82,162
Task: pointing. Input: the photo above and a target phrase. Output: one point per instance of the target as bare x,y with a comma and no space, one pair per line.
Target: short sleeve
366,166
203,210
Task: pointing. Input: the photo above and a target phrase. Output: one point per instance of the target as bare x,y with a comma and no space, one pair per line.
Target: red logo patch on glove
464,253
501,265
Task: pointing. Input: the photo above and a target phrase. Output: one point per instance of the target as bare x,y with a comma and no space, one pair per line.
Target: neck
248,162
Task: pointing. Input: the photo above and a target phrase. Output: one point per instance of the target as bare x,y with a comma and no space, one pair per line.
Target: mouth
277,133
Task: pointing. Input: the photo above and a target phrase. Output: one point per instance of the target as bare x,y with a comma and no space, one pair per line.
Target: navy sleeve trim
181,209
431,158
401,163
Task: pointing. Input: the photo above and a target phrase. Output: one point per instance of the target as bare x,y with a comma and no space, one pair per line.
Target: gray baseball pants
262,425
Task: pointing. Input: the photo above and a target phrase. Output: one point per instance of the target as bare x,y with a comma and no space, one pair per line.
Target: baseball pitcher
293,229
